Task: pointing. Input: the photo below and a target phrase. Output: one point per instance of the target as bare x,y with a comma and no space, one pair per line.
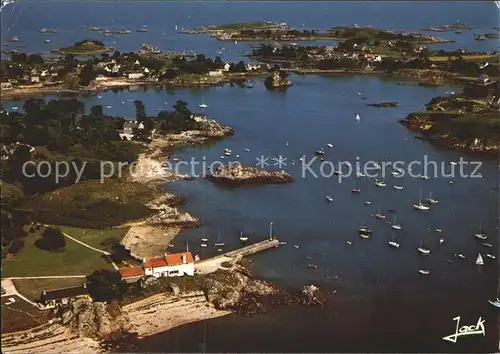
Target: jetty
212,264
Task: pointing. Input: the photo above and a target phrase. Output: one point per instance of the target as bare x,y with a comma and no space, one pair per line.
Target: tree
52,240
35,59
106,285
19,58
97,111
140,110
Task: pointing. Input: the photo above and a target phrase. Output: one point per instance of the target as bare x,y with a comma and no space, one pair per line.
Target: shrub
51,240
16,245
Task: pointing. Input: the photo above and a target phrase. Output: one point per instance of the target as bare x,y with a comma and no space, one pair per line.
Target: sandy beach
150,316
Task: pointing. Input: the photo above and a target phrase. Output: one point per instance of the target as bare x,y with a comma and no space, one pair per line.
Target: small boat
365,231
495,303
247,150
421,206
349,242
480,234
99,96
423,250
203,245
312,266
490,256
15,108
329,145
296,246
319,152
451,182
329,198
398,187
219,249
15,39
360,174
453,163
202,105
219,244
47,41
354,189
367,202
227,153
358,118
424,271
396,173
431,200
487,244
283,243
479,260
441,241
424,177
439,230
243,238
380,183
396,226
459,255
108,107
394,244
379,215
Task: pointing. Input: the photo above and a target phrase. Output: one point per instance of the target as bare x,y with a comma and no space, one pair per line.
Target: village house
135,76
128,128
227,66
215,73
100,78
6,86
170,265
53,298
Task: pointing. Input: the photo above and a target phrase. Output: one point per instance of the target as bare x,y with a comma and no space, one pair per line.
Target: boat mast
271,230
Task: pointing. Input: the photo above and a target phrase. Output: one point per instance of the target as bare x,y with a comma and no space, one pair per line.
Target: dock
212,264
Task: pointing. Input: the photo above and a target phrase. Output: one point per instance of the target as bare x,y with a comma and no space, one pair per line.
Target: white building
170,265
227,66
215,73
135,76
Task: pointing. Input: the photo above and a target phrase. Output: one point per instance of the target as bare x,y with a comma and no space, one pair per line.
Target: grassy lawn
93,237
32,288
20,315
75,259
472,57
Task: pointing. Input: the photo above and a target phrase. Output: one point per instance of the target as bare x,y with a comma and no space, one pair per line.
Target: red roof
176,258
130,272
172,260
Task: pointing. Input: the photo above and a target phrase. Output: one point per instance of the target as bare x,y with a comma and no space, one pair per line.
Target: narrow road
10,290
85,245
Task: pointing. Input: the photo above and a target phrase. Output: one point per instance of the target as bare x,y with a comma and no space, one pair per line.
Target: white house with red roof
170,265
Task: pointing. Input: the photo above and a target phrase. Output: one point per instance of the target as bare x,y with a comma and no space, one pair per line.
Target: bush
106,285
16,245
51,240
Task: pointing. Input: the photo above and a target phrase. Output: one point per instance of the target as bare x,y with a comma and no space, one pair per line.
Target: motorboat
424,271
360,174
367,202
487,244
329,198
398,187
459,255
329,145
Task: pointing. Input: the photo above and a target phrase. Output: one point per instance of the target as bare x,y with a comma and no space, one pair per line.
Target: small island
235,174
383,104
85,47
277,80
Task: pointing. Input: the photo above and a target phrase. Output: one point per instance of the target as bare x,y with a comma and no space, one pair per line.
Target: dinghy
424,271
329,198
479,260
398,187
490,256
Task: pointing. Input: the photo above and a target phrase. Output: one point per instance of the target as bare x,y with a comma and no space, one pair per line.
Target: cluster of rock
277,81
311,295
232,290
170,216
93,320
383,104
234,174
213,129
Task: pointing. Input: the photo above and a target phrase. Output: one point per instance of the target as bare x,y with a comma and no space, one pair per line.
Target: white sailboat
398,187
243,238
379,215
424,271
358,118
354,189
420,206
431,200
423,250
202,104
479,260
396,226
480,234
393,242
219,244
329,198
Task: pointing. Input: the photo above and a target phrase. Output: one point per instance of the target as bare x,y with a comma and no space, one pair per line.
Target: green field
94,237
75,259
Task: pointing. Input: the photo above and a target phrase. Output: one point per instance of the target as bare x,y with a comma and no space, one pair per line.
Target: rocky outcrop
383,104
236,174
212,129
277,80
232,290
311,295
94,319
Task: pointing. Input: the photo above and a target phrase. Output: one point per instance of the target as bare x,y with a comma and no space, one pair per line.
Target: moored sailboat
396,226
479,260
421,206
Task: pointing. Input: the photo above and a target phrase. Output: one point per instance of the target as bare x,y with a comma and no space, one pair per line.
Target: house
227,66
215,73
53,298
170,265
135,76
6,86
101,78
131,274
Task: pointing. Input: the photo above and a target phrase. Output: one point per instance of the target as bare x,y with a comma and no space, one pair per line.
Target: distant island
85,47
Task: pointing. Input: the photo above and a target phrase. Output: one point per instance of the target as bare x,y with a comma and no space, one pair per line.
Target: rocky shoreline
235,174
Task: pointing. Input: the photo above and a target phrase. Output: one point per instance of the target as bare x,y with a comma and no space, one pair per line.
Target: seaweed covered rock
277,80
235,174
311,295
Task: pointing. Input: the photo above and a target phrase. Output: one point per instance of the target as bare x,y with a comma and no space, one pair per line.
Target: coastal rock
311,295
277,80
94,319
232,290
213,129
383,104
235,174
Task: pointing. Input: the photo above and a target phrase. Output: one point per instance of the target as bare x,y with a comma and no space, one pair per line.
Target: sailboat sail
479,259
498,4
